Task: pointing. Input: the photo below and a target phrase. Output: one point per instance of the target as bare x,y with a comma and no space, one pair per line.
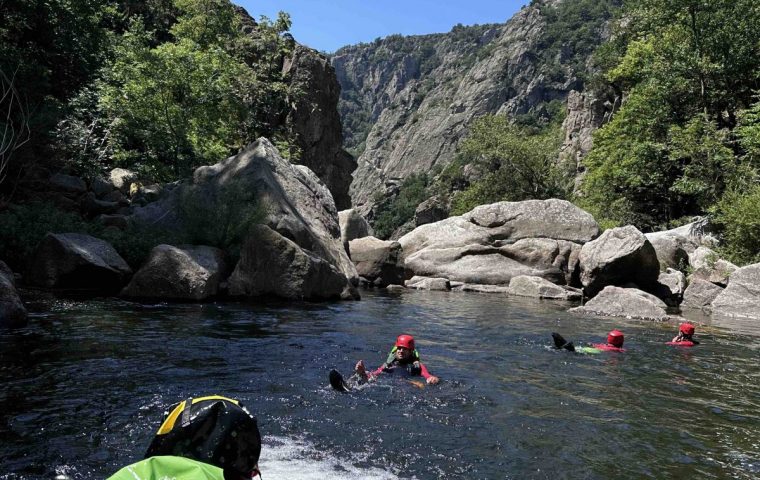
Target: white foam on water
297,459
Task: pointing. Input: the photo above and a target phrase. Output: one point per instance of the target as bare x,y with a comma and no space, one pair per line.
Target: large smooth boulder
670,286
672,249
742,296
296,204
700,294
378,261
185,272
625,302
494,243
271,264
537,287
76,261
12,311
619,256
352,226
707,265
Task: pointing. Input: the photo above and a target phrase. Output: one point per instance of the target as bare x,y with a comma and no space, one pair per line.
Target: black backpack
213,430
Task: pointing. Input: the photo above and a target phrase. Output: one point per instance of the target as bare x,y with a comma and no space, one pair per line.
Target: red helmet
406,341
615,338
686,329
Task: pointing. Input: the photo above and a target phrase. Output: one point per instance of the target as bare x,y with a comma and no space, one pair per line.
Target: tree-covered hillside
685,140
159,86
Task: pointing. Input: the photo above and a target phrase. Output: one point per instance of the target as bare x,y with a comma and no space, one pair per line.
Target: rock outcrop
316,123
428,283
742,296
700,294
707,265
407,102
625,302
619,256
12,311
185,272
378,262
352,226
672,249
537,287
271,264
298,206
494,243
75,261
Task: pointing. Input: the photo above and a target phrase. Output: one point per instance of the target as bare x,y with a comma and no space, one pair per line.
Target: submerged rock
79,262
185,272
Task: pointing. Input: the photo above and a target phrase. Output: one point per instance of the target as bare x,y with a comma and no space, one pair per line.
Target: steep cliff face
313,117
315,120
407,102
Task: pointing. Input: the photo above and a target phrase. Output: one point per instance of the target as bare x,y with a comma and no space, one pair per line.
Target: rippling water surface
87,384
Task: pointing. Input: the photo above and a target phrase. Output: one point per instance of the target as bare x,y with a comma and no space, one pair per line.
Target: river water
86,385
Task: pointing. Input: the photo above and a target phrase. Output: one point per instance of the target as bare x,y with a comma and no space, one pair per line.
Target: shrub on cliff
393,214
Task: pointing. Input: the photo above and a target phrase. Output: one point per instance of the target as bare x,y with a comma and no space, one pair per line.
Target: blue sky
330,24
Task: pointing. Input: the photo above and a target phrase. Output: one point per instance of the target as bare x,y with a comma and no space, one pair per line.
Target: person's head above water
615,338
404,347
686,330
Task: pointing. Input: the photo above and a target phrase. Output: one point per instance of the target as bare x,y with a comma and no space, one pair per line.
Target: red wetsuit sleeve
379,370
424,371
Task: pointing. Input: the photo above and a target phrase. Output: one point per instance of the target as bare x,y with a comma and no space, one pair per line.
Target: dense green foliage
520,163
573,31
686,133
159,86
221,220
396,212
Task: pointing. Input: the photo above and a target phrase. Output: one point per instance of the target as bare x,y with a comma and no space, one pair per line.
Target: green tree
391,215
522,164
688,67
48,50
197,98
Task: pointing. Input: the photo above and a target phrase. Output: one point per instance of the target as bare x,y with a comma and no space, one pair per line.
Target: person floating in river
614,343
403,355
684,337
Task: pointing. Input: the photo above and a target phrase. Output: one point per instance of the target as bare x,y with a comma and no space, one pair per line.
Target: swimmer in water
614,343
685,336
403,355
